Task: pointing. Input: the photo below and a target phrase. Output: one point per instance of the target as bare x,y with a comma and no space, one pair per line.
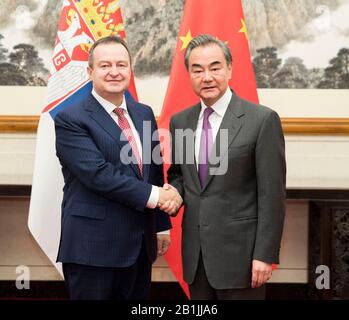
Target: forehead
206,55
110,52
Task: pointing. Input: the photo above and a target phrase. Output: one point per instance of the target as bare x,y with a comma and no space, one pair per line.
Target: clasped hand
169,199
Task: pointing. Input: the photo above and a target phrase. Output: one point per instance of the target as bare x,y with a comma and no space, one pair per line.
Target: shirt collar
220,106
107,105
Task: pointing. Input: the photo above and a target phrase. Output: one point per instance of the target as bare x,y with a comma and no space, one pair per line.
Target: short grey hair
106,40
204,40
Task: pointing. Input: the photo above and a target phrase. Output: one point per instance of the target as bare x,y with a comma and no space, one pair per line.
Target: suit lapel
191,124
137,120
104,120
231,124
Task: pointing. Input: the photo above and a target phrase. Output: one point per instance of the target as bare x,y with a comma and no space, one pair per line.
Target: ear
230,68
89,72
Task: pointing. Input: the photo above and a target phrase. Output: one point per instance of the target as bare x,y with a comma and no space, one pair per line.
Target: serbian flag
224,20
81,23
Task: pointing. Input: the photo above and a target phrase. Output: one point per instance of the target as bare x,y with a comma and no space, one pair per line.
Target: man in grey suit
232,181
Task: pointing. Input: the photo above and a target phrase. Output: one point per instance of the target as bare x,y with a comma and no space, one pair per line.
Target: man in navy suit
111,229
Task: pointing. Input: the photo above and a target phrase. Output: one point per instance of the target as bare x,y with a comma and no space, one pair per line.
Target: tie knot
208,111
119,111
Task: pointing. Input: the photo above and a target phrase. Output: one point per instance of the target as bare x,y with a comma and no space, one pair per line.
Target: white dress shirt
219,107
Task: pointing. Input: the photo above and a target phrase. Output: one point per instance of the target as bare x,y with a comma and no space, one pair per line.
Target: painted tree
266,64
26,59
337,73
292,75
315,76
3,51
9,75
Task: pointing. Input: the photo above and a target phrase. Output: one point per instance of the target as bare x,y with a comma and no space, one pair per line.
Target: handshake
169,199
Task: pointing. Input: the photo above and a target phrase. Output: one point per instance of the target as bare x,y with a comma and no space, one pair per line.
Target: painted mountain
294,43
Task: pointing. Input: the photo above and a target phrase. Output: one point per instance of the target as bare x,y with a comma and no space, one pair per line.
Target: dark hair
106,40
203,40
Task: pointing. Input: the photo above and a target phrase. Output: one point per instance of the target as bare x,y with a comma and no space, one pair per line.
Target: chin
114,89
210,96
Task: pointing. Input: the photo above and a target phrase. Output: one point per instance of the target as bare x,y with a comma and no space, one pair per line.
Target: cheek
127,75
196,89
228,75
224,81
196,84
99,76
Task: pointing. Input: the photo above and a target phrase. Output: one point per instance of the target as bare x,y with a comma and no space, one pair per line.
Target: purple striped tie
206,143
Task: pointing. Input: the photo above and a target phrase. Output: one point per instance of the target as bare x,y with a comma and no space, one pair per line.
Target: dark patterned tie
206,143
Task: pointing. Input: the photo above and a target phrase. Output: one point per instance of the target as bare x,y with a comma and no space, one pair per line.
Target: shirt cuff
153,198
164,232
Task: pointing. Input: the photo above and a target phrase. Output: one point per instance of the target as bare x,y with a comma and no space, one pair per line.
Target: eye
121,64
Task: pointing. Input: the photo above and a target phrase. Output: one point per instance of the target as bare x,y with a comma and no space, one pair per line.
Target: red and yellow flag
225,20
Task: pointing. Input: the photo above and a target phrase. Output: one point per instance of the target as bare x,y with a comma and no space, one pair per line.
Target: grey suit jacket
238,215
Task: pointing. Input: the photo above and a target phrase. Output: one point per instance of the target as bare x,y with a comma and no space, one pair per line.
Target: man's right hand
169,199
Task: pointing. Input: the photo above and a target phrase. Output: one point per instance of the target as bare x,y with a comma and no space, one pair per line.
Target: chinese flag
223,19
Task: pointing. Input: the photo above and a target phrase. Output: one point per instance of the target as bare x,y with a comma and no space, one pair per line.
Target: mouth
208,88
112,81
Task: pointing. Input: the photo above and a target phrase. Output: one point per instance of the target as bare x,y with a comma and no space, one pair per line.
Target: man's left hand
164,241
261,273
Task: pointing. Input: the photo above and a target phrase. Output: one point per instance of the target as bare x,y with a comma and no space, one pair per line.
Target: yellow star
243,28
186,40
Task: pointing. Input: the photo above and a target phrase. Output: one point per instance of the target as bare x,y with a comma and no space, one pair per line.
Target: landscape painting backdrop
294,43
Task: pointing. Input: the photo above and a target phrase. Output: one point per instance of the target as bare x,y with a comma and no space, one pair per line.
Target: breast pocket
240,151
238,159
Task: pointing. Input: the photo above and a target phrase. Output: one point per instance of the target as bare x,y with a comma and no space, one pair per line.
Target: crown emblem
102,16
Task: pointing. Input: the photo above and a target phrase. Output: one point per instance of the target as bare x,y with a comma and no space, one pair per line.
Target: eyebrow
106,61
211,64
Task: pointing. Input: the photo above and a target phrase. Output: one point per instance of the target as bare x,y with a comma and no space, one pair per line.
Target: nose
114,71
207,76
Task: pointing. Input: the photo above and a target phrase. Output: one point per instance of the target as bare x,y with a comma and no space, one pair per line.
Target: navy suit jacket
104,214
